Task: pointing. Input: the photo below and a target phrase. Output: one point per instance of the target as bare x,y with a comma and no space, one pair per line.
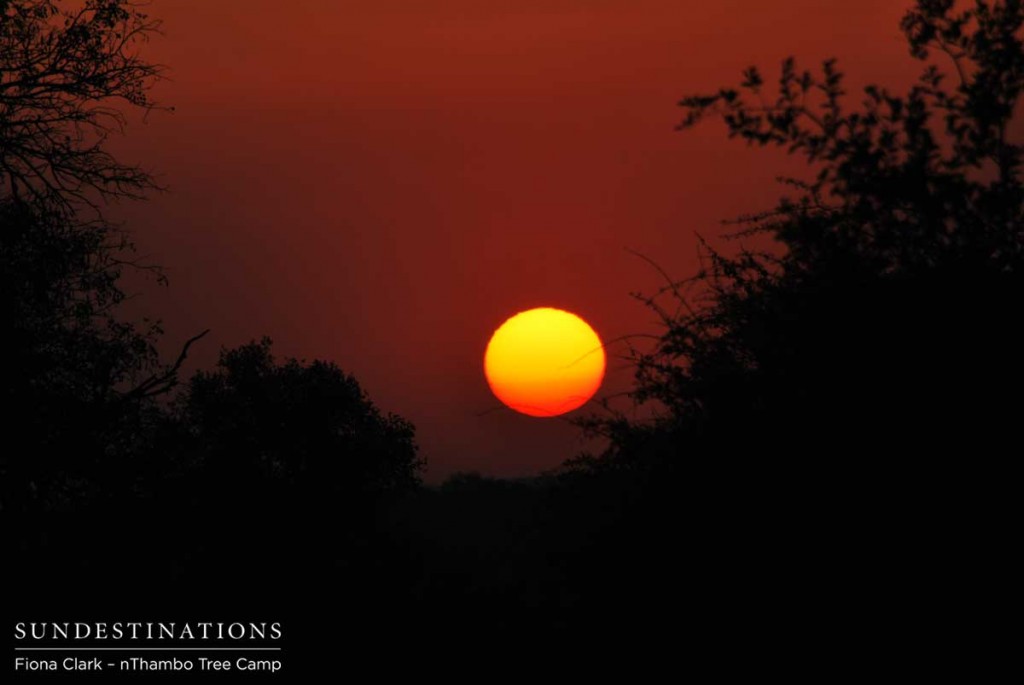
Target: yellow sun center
544,362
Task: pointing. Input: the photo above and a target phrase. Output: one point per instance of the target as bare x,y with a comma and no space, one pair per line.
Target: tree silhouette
308,431
70,357
284,468
64,73
81,380
889,309
834,403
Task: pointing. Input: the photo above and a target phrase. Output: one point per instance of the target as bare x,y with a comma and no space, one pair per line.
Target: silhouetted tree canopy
832,407
834,404
66,70
884,318
71,358
81,379
84,384
307,430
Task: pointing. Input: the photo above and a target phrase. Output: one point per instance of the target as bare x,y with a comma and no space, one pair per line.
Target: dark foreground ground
487,578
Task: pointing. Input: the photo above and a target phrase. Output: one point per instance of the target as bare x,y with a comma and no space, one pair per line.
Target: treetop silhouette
307,428
891,298
65,74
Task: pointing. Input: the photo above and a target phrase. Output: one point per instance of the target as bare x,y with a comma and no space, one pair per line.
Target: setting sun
544,362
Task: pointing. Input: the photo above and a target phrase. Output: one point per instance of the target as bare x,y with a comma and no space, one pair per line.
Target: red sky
381,183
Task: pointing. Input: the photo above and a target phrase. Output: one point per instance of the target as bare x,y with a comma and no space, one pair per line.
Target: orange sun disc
544,362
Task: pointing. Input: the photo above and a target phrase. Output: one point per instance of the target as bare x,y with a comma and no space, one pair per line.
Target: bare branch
159,384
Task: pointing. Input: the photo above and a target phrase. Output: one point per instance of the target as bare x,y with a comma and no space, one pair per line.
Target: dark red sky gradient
381,183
